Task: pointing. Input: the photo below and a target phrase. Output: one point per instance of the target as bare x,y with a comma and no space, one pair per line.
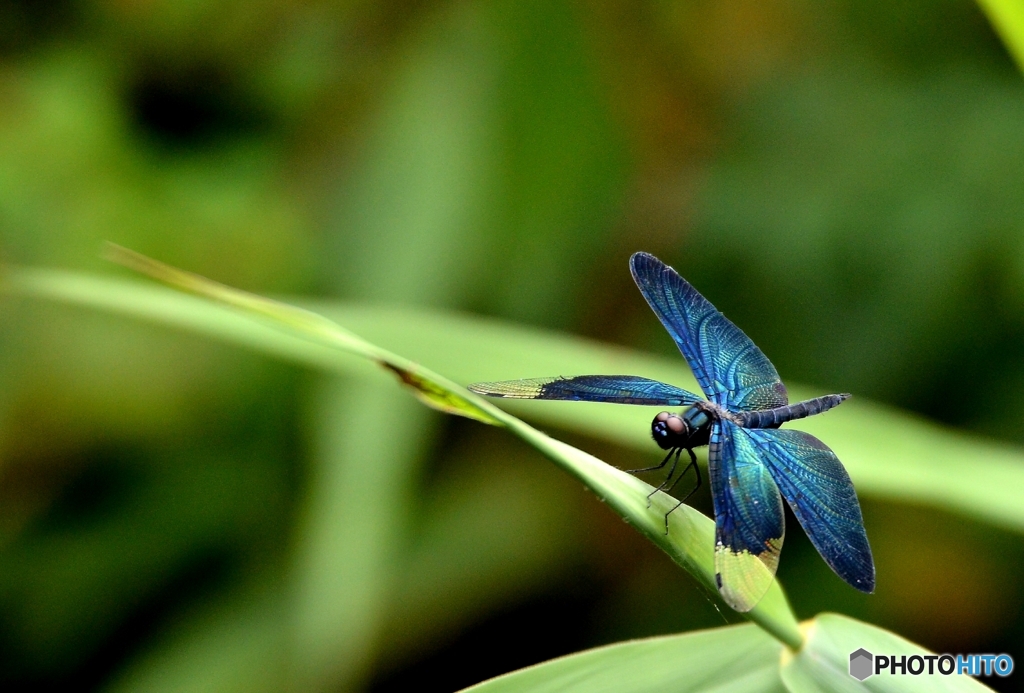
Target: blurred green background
844,180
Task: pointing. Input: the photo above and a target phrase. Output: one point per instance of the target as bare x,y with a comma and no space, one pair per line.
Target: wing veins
705,336
818,489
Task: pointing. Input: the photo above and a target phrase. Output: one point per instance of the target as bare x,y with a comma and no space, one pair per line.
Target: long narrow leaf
285,331
888,453
737,659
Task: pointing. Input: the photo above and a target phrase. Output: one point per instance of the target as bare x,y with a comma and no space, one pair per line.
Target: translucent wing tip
744,578
515,389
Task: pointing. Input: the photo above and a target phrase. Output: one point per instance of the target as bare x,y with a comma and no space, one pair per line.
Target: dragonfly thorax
688,430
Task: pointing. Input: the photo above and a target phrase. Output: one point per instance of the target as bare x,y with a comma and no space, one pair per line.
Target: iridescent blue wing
731,370
818,489
620,389
749,519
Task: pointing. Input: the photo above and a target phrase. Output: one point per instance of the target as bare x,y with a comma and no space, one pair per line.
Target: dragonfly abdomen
773,418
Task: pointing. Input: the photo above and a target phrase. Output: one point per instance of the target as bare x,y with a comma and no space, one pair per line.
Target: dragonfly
752,463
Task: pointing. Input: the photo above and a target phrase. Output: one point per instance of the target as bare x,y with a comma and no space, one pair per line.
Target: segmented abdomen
773,418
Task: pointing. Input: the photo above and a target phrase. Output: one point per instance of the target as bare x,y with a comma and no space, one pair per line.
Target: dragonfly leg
696,470
671,471
691,465
655,467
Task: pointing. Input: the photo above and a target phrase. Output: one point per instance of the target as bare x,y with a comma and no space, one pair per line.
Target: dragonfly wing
749,519
620,389
818,489
730,368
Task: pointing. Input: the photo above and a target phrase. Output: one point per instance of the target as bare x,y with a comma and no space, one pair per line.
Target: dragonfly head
670,430
688,430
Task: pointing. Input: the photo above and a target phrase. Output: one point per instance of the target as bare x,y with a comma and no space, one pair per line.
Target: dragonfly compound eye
668,430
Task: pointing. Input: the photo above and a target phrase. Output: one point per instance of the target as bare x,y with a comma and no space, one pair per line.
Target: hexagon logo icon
861,664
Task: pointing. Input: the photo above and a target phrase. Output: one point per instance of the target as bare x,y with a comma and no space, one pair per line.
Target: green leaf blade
314,340
736,659
691,535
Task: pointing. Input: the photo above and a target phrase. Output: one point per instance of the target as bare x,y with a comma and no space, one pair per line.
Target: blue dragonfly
752,463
